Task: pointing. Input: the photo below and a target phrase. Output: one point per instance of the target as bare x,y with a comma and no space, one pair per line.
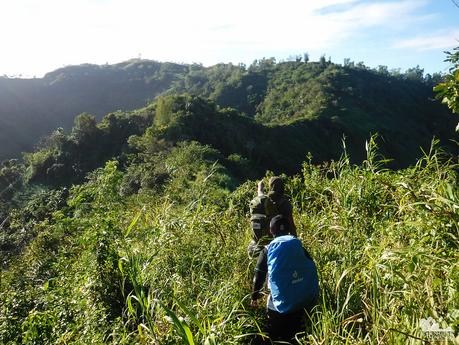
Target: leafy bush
171,266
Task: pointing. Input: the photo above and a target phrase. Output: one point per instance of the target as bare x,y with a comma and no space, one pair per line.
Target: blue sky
40,36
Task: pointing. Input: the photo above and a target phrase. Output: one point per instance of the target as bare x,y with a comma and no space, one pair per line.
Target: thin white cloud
38,36
443,39
379,13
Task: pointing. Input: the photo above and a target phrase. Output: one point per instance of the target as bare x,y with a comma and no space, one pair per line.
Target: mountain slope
360,100
31,109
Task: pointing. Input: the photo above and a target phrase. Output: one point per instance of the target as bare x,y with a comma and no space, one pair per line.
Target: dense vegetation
448,89
350,96
168,265
133,229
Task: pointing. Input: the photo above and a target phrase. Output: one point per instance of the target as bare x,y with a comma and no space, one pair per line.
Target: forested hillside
132,228
350,99
31,109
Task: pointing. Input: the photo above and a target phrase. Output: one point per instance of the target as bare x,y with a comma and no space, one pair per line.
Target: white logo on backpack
295,279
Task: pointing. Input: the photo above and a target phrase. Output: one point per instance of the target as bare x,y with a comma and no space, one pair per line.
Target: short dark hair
279,225
276,184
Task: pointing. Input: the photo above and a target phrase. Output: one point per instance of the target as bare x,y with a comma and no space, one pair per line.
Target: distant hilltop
352,97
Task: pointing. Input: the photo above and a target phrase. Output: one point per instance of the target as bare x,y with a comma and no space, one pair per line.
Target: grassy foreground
170,267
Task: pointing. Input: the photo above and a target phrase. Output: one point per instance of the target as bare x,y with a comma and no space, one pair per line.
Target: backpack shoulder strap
281,202
271,208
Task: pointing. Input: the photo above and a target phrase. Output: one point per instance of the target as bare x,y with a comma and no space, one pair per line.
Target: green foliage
33,211
11,172
187,173
194,172
170,266
294,104
65,159
149,244
164,111
38,327
11,186
448,90
276,93
296,91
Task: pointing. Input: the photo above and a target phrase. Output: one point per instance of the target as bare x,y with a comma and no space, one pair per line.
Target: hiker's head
279,226
276,185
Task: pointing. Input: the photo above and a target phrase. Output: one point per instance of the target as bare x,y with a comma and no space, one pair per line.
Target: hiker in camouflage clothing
263,208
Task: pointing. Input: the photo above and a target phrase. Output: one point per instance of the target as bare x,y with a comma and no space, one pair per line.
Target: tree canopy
448,90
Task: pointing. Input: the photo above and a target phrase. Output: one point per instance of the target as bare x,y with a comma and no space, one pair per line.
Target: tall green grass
173,269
